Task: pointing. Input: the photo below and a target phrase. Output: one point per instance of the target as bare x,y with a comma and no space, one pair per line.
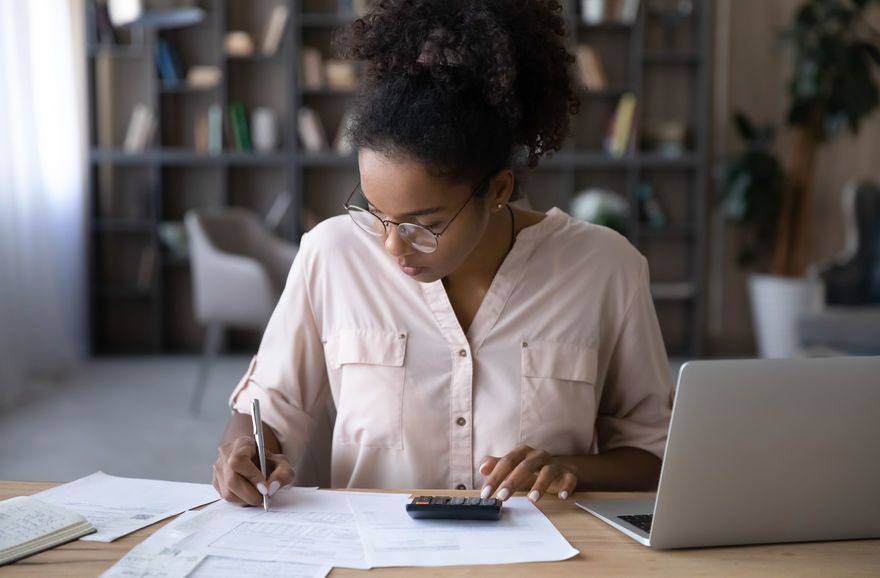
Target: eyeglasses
418,237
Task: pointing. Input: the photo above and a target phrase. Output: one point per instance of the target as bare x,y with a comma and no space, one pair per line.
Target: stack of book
141,128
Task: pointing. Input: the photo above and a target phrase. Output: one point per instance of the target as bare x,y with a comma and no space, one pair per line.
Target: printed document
118,506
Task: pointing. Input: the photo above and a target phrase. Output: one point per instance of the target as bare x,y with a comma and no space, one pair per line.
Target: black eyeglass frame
386,222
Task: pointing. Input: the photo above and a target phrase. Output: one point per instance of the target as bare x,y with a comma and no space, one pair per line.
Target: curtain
43,303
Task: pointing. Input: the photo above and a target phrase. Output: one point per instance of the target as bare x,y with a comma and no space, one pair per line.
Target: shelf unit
155,315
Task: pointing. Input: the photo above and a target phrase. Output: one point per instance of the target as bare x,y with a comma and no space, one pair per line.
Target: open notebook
29,525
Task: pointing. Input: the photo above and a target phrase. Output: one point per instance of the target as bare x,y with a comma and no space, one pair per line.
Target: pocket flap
366,346
559,361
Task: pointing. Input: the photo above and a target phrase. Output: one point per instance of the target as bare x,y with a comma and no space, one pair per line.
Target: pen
261,447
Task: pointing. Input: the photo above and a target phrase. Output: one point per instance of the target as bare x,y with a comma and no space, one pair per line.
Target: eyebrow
418,213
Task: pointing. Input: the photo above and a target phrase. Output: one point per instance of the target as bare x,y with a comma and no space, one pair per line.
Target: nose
394,243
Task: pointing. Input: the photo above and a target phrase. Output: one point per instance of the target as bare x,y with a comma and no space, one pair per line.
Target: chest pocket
558,396
372,373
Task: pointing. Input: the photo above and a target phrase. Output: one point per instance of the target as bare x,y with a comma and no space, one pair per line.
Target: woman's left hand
526,468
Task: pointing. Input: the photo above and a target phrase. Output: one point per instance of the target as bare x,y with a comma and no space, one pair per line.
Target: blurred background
160,159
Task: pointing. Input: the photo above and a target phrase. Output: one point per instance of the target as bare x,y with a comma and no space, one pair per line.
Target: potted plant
835,55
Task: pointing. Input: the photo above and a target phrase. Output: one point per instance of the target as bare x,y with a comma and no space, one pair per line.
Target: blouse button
461,487
463,353
461,421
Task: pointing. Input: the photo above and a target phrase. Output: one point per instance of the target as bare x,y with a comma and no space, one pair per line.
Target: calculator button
456,501
473,501
440,499
487,502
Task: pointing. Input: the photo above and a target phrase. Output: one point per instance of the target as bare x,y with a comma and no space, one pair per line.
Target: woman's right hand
237,476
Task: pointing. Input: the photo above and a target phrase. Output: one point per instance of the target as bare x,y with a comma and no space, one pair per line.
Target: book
141,127
29,525
146,268
203,76
311,131
274,30
312,68
240,130
168,64
620,128
342,143
592,73
628,10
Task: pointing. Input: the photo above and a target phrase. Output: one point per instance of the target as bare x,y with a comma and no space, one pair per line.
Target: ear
500,190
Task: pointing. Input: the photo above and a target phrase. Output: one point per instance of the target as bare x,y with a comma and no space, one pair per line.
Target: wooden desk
604,552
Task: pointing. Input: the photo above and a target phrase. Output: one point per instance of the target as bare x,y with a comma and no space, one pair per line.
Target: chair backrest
855,279
238,269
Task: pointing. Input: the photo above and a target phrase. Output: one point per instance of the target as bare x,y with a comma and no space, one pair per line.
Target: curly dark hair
464,87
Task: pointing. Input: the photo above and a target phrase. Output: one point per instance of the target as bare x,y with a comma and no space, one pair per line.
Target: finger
487,464
526,472
222,475
501,470
568,486
280,472
244,490
242,460
547,476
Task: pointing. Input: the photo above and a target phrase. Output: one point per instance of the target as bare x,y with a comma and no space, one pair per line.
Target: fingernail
487,491
503,494
483,468
273,487
563,495
262,489
534,495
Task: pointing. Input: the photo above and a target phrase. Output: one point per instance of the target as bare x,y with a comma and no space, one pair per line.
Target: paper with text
301,526
392,538
118,506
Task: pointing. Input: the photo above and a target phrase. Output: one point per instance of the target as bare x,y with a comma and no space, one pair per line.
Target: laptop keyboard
640,521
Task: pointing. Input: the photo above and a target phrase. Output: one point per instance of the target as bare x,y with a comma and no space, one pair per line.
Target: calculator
454,508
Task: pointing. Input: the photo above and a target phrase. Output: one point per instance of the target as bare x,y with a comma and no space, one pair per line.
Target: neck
485,260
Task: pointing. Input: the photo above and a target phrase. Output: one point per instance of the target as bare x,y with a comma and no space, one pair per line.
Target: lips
411,269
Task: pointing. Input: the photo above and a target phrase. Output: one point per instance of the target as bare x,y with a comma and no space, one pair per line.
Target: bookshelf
143,305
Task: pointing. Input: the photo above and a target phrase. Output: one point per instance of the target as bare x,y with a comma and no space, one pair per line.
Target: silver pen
261,446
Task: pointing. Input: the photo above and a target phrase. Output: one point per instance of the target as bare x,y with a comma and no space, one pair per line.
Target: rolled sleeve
636,401
288,374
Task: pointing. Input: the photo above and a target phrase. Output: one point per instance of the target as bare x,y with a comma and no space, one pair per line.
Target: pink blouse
564,354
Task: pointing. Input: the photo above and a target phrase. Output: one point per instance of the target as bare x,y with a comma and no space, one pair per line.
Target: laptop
764,451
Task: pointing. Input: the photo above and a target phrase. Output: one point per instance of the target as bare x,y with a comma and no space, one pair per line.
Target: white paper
216,567
392,538
118,506
309,527
156,557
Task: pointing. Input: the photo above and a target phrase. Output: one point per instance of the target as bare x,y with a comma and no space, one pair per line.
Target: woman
466,343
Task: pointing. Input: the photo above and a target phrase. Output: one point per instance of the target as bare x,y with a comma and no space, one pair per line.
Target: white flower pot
777,303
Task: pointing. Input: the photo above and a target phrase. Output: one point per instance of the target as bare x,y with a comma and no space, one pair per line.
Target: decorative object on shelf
141,128
264,128
668,138
312,68
340,74
275,27
238,43
592,73
650,209
356,8
592,11
124,12
620,129
203,76
311,130
215,129
601,207
104,29
172,234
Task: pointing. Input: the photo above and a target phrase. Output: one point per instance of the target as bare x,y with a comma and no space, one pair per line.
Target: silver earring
500,205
